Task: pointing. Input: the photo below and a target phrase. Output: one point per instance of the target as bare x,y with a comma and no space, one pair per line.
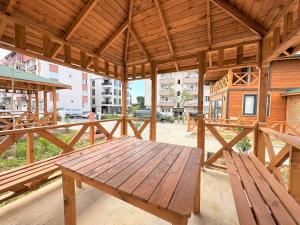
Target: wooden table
162,179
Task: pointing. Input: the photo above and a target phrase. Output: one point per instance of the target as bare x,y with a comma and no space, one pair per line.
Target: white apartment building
106,95
173,88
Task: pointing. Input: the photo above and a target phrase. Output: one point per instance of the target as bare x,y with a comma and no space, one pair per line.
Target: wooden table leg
69,199
197,194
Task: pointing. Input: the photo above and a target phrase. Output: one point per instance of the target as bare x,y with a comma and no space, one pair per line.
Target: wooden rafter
128,31
166,30
76,23
140,43
237,14
9,7
208,16
110,40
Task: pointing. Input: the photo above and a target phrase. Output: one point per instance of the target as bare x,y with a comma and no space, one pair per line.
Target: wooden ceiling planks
159,30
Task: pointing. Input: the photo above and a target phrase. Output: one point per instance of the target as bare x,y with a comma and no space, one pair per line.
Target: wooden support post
69,200
29,107
54,117
45,106
92,129
30,148
200,121
37,103
124,102
262,108
189,122
153,101
294,171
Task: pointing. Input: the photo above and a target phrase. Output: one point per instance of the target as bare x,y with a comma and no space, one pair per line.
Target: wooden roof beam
9,7
110,40
237,14
128,31
208,17
140,44
166,30
76,23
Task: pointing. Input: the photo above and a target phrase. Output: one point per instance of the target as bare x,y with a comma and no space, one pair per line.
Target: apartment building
76,99
106,95
177,91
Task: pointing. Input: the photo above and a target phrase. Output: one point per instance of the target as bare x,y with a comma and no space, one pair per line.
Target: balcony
106,103
164,92
167,103
166,81
192,92
190,80
106,93
191,103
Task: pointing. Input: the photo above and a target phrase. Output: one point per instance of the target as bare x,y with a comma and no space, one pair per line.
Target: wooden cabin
138,39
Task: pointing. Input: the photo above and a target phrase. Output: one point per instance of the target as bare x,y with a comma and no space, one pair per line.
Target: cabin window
250,105
217,108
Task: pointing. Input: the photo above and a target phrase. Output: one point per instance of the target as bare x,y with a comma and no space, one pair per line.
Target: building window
207,98
93,101
93,92
93,83
84,93
178,81
178,93
84,81
249,106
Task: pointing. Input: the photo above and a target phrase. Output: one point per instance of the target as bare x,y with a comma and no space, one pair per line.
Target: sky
138,89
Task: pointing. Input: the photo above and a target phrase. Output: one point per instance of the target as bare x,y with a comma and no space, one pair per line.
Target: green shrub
110,116
244,145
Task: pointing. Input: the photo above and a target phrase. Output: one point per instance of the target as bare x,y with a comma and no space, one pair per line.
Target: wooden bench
258,196
30,176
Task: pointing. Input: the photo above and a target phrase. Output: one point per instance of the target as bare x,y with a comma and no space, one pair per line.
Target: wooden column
30,148
153,101
45,106
124,102
54,106
37,103
259,151
29,108
200,123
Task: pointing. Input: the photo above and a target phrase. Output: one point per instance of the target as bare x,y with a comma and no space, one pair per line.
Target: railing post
294,171
124,102
255,137
92,129
30,148
153,101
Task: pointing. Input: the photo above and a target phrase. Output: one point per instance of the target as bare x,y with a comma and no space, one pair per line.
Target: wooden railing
290,153
10,137
219,85
20,120
136,127
241,132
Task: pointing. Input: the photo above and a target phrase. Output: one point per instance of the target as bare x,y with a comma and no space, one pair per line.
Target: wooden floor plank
135,180
146,188
243,209
182,201
164,191
286,199
112,160
122,166
129,171
260,209
278,211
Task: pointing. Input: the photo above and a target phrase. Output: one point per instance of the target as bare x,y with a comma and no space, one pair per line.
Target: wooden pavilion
20,82
138,39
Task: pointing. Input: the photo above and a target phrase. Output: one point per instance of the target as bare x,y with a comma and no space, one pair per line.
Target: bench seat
30,176
258,196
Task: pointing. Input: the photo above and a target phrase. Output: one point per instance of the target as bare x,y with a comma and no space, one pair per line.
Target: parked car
145,113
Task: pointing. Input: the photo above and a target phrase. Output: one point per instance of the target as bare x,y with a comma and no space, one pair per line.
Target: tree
178,100
141,102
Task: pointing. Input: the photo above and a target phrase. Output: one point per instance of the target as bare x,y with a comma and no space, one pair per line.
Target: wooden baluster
92,129
30,148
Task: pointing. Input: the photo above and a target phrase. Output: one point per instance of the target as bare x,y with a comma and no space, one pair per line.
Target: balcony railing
106,103
164,92
166,80
166,103
106,83
191,103
190,80
106,93
235,79
192,92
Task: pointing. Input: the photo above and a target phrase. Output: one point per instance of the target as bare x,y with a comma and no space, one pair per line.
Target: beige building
173,89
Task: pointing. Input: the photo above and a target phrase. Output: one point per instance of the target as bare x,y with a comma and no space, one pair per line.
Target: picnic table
162,179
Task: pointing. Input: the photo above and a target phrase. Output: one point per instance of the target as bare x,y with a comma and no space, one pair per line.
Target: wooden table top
164,175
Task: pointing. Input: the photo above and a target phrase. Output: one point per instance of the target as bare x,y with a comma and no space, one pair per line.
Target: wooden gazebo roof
106,36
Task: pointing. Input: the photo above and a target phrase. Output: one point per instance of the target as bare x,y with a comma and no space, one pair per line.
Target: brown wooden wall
293,108
285,74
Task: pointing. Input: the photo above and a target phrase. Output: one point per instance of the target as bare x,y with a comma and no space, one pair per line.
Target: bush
244,145
110,116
